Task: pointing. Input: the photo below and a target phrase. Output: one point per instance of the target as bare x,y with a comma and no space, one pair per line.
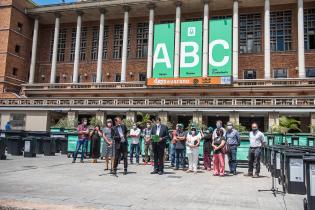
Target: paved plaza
56,183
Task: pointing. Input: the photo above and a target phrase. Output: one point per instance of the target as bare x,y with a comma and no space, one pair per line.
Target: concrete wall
34,120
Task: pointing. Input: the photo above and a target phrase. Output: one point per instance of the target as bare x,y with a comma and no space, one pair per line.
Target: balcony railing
163,102
141,85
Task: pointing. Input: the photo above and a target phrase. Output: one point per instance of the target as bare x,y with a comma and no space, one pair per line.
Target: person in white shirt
135,133
257,140
219,125
192,150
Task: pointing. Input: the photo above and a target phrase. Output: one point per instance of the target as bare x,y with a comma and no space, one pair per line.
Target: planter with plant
281,131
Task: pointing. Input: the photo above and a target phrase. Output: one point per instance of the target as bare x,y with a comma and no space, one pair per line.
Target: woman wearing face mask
192,150
107,136
207,147
135,146
95,136
218,156
219,125
148,152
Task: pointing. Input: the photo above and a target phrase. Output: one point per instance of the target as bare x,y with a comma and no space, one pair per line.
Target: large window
61,45
309,28
17,121
310,72
83,43
94,52
142,40
281,30
117,77
250,33
73,38
280,73
250,74
118,41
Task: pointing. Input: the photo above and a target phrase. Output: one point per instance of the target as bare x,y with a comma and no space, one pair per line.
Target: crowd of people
183,145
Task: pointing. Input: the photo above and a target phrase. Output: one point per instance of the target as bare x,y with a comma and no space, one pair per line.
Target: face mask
84,123
109,125
219,125
229,127
134,127
148,126
158,124
193,132
254,129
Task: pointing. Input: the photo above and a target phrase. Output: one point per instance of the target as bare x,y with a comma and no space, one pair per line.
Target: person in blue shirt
232,137
8,126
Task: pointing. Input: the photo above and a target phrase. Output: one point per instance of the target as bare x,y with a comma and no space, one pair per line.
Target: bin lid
310,158
14,137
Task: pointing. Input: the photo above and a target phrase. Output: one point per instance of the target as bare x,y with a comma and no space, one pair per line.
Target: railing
163,102
142,85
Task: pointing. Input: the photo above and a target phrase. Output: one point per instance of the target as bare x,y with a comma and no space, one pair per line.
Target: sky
46,2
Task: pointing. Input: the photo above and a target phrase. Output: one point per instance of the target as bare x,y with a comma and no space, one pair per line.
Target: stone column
234,118
301,55
177,39
77,49
235,39
164,116
101,115
132,116
312,122
73,117
267,40
125,44
100,47
197,117
205,38
34,51
273,119
150,41
55,50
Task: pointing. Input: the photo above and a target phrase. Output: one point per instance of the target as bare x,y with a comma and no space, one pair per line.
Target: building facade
94,57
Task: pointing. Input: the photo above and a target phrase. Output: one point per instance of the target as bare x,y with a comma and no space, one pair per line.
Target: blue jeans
172,154
134,148
180,158
83,144
232,158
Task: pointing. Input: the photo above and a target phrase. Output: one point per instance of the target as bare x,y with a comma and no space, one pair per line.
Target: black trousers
158,153
121,150
254,160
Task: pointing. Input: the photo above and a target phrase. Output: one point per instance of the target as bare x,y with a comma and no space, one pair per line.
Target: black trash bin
15,145
63,146
2,148
294,172
49,146
39,145
310,181
30,146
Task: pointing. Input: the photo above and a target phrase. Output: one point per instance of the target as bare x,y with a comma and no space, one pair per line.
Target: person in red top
83,133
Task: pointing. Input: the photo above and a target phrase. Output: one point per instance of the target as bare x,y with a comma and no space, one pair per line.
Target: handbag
225,149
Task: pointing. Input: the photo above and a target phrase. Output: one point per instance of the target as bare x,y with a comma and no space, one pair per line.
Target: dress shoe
154,172
160,173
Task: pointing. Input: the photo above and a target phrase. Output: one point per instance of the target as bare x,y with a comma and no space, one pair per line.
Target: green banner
163,51
220,47
191,49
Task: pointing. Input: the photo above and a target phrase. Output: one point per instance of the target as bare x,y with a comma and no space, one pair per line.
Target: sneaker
255,176
189,171
125,172
154,172
249,174
234,173
160,172
81,161
176,169
73,161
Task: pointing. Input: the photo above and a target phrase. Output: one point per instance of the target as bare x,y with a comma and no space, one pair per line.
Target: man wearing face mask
121,144
233,141
148,152
83,132
257,140
219,125
161,131
180,142
135,147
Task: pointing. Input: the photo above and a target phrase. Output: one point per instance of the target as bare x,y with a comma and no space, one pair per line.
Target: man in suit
121,144
159,147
